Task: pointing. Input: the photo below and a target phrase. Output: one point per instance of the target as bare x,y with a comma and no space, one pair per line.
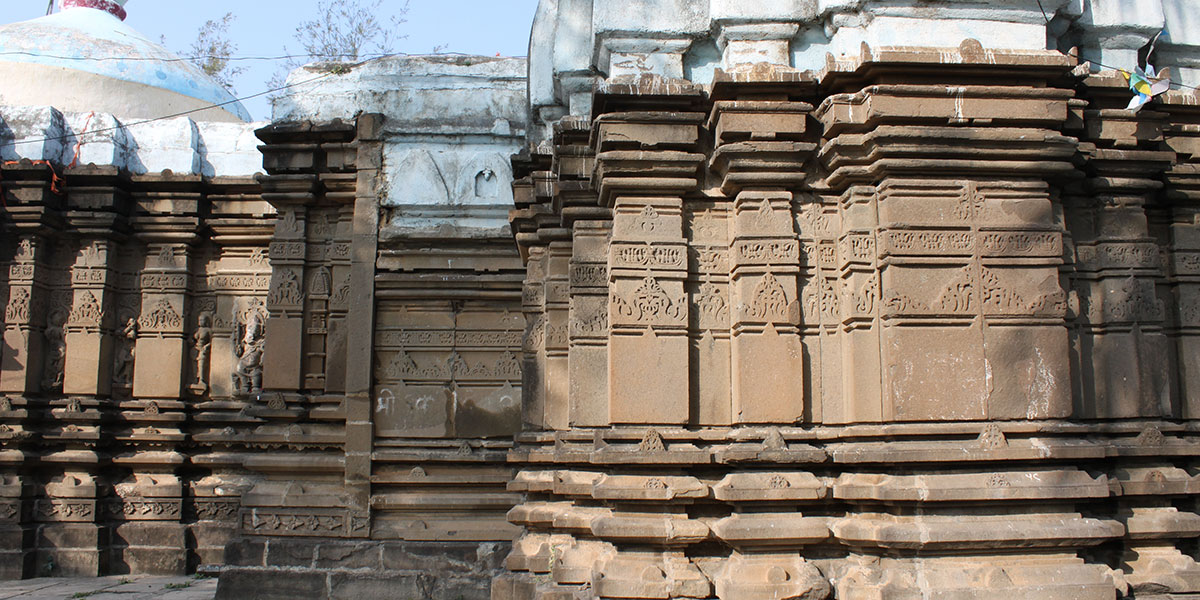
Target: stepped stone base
262,569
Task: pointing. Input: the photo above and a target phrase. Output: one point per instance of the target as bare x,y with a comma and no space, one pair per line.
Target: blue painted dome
90,58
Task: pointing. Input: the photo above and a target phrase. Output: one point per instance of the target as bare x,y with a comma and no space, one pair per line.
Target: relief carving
773,252
649,221
712,259
858,248
341,298
929,242
17,310
165,258
712,307
595,323
535,333
589,275
163,317
403,367
816,221
91,256
959,296
649,302
533,294
648,256
1011,243
708,228
87,312
56,350
258,258
24,250
1135,301
970,203
830,301
899,303
827,255
998,298
290,223
865,296
124,356
285,289
768,301
201,349
248,351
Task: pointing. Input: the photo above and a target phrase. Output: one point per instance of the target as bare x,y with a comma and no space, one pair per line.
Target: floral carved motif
768,301
87,311
161,317
285,289
649,302
17,310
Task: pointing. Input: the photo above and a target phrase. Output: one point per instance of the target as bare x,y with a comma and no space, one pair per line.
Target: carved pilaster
90,326
647,262
760,157
587,362
160,328
25,317
1118,272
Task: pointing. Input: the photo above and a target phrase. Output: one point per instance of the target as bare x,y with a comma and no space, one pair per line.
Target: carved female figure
123,367
56,344
202,345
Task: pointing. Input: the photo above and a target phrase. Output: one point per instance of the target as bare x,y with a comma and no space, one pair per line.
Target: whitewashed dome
85,58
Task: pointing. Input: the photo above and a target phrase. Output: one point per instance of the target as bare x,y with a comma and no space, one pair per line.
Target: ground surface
128,587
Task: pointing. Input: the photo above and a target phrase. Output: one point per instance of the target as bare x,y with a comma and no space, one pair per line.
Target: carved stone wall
118,420
911,326
310,378
392,381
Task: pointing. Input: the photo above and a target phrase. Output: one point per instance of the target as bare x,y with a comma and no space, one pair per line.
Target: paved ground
129,587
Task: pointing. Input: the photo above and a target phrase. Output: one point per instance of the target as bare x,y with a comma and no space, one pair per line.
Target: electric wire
193,58
1102,65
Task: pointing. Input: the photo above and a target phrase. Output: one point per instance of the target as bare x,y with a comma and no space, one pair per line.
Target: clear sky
264,27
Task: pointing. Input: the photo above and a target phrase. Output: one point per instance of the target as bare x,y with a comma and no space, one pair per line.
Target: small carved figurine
247,373
123,367
202,345
56,346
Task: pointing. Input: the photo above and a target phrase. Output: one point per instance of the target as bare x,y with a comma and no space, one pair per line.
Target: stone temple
705,299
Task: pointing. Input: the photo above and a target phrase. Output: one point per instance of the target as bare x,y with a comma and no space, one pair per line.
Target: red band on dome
107,6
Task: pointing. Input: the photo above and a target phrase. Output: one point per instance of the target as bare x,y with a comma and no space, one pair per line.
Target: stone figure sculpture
202,347
56,350
247,372
123,364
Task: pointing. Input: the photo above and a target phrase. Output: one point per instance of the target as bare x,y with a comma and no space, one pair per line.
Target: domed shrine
86,58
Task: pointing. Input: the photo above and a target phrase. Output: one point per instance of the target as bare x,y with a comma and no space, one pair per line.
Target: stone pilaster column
1182,238
557,303
643,170
648,312
284,338
25,318
533,304
161,332
587,362
355,308
1123,349
760,159
89,331
767,360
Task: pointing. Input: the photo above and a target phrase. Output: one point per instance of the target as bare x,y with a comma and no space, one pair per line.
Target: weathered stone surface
916,319
911,285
